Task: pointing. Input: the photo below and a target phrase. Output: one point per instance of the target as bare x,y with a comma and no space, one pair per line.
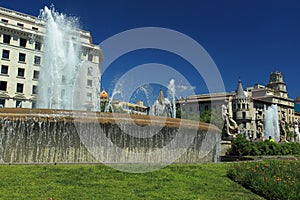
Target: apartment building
22,50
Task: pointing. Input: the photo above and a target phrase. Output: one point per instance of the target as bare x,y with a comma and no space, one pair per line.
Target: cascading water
43,136
61,59
171,97
271,123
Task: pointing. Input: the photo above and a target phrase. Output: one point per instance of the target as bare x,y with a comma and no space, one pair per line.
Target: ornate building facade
246,108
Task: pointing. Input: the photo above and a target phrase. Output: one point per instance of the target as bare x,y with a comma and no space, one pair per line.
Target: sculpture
231,128
296,131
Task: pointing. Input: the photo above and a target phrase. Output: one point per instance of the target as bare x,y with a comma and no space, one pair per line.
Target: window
243,106
23,42
244,115
22,57
35,28
5,54
90,57
37,46
6,39
34,89
37,60
89,96
18,104
90,71
21,72
19,24
3,85
36,74
4,20
33,105
2,103
4,69
89,83
20,87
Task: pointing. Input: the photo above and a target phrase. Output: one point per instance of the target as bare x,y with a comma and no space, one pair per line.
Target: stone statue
282,129
259,130
230,128
296,131
282,125
224,111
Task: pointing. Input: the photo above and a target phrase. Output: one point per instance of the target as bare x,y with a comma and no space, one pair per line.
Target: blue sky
246,39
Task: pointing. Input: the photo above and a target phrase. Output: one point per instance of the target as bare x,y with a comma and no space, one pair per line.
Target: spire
240,90
161,97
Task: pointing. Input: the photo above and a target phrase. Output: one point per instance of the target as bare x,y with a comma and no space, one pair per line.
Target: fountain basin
51,136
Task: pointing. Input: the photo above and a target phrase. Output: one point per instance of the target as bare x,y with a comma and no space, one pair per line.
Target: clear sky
246,39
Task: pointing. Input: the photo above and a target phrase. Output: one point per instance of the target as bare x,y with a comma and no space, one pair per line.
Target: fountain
50,136
61,134
171,97
146,90
271,123
166,106
60,62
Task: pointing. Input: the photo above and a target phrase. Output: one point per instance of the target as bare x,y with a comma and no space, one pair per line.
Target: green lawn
192,181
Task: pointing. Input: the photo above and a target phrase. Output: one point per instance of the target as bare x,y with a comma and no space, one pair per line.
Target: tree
178,113
213,116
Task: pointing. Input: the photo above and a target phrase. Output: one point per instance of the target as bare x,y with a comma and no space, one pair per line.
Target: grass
191,181
273,179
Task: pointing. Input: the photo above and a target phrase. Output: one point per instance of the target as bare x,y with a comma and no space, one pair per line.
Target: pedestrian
271,139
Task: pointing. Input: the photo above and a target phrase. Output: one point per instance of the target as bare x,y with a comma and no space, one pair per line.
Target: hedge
243,147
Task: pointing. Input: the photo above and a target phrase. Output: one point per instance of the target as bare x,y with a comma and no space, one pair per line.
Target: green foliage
242,147
179,113
188,181
213,116
273,179
103,106
194,117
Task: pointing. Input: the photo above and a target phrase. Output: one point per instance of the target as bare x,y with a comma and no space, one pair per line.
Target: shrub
242,147
273,179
